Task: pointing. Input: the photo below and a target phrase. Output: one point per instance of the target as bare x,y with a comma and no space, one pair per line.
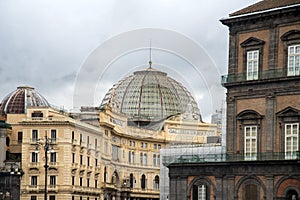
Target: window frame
250,155
294,136
34,157
33,180
294,55
252,61
52,180
289,38
252,44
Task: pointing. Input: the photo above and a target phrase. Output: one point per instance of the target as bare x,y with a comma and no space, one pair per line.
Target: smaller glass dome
17,101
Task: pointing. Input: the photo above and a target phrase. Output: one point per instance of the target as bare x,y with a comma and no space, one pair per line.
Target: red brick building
262,159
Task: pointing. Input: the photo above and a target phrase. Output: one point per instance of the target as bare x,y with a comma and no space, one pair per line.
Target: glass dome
150,96
18,101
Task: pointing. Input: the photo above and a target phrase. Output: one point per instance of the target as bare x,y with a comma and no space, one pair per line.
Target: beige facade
94,154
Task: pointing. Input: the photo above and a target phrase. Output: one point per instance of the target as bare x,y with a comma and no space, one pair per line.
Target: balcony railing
230,157
266,74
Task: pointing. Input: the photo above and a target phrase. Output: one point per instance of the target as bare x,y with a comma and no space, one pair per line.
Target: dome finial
150,60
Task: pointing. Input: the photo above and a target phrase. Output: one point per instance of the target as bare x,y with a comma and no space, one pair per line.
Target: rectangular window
145,159
53,136
291,140
141,158
154,146
250,148
33,198
159,146
20,137
251,191
80,138
154,160
88,161
34,135
34,180
96,183
52,197
132,157
73,157
52,180
73,180
53,157
201,192
252,65
115,150
73,135
293,60
129,156
88,182
34,157
80,181
96,162
81,159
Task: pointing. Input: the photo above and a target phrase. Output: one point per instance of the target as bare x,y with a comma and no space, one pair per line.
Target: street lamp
47,145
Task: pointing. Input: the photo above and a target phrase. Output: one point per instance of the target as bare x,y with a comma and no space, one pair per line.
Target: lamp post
46,144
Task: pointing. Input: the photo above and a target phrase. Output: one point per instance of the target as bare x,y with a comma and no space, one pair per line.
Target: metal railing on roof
198,158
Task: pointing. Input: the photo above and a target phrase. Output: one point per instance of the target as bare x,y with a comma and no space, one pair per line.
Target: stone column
177,188
229,186
270,123
172,188
269,187
231,125
219,188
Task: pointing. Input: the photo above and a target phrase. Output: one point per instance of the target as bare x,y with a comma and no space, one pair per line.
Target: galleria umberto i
109,152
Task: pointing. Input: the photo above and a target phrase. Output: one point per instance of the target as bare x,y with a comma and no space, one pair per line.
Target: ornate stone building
111,152
263,113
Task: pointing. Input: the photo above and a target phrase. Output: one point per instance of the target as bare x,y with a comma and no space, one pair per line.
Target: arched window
291,195
143,181
156,183
115,178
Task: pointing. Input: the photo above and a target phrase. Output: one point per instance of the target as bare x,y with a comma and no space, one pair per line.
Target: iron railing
262,75
187,158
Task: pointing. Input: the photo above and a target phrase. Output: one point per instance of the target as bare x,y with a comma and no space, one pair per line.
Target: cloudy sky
46,44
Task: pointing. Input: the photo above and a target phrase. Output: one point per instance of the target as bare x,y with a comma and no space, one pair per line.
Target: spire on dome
150,60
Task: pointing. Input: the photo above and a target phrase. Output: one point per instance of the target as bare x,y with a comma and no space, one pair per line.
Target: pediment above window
249,114
289,112
291,35
33,171
249,117
252,41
